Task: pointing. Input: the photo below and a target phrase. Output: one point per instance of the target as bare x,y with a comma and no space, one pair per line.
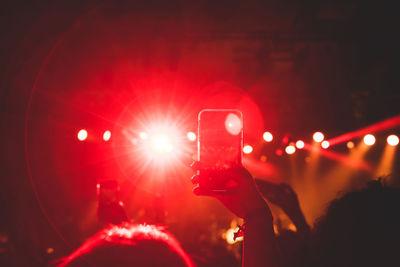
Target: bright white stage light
393,140
82,135
369,139
191,136
318,137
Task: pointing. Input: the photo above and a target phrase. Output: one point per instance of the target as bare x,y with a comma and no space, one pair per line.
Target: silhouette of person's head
129,245
362,228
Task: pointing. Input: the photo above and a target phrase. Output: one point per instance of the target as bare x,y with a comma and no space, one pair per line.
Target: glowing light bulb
350,145
82,135
300,144
247,149
318,137
268,137
369,139
106,136
393,140
290,149
325,144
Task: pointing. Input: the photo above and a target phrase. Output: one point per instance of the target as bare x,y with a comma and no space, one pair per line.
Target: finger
287,188
195,165
239,174
201,191
195,179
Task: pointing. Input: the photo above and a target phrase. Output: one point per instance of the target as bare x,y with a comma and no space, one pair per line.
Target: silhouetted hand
240,194
281,195
285,197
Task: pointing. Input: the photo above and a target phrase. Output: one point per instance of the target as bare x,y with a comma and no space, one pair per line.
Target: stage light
268,137
247,149
300,144
191,136
392,140
82,135
325,144
350,145
318,137
143,135
290,149
279,152
106,136
161,143
369,139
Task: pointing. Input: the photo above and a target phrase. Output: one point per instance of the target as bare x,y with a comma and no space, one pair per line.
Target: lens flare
369,139
233,124
82,135
318,137
143,135
160,143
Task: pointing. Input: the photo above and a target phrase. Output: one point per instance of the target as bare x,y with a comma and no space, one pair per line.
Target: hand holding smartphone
220,142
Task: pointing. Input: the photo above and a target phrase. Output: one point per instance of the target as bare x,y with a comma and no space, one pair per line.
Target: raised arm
242,197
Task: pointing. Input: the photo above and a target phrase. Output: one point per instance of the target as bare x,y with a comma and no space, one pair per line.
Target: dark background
300,66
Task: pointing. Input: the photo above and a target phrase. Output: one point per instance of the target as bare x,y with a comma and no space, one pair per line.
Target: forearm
259,248
299,221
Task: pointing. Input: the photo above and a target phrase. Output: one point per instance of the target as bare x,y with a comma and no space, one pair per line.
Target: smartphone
110,208
220,143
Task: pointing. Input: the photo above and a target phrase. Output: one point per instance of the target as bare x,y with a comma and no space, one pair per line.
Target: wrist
260,214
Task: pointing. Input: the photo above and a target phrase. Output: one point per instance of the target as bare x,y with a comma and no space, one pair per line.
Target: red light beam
347,160
380,126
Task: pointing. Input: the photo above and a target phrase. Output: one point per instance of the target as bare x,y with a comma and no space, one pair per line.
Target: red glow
318,137
393,140
325,144
344,159
261,169
106,136
268,137
247,149
82,135
279,152
285,140
386,124
300,144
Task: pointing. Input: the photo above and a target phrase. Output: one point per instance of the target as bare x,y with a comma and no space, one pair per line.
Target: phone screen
107,191
220,141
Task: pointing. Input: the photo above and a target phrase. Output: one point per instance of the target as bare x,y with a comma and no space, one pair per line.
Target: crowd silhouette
360,228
